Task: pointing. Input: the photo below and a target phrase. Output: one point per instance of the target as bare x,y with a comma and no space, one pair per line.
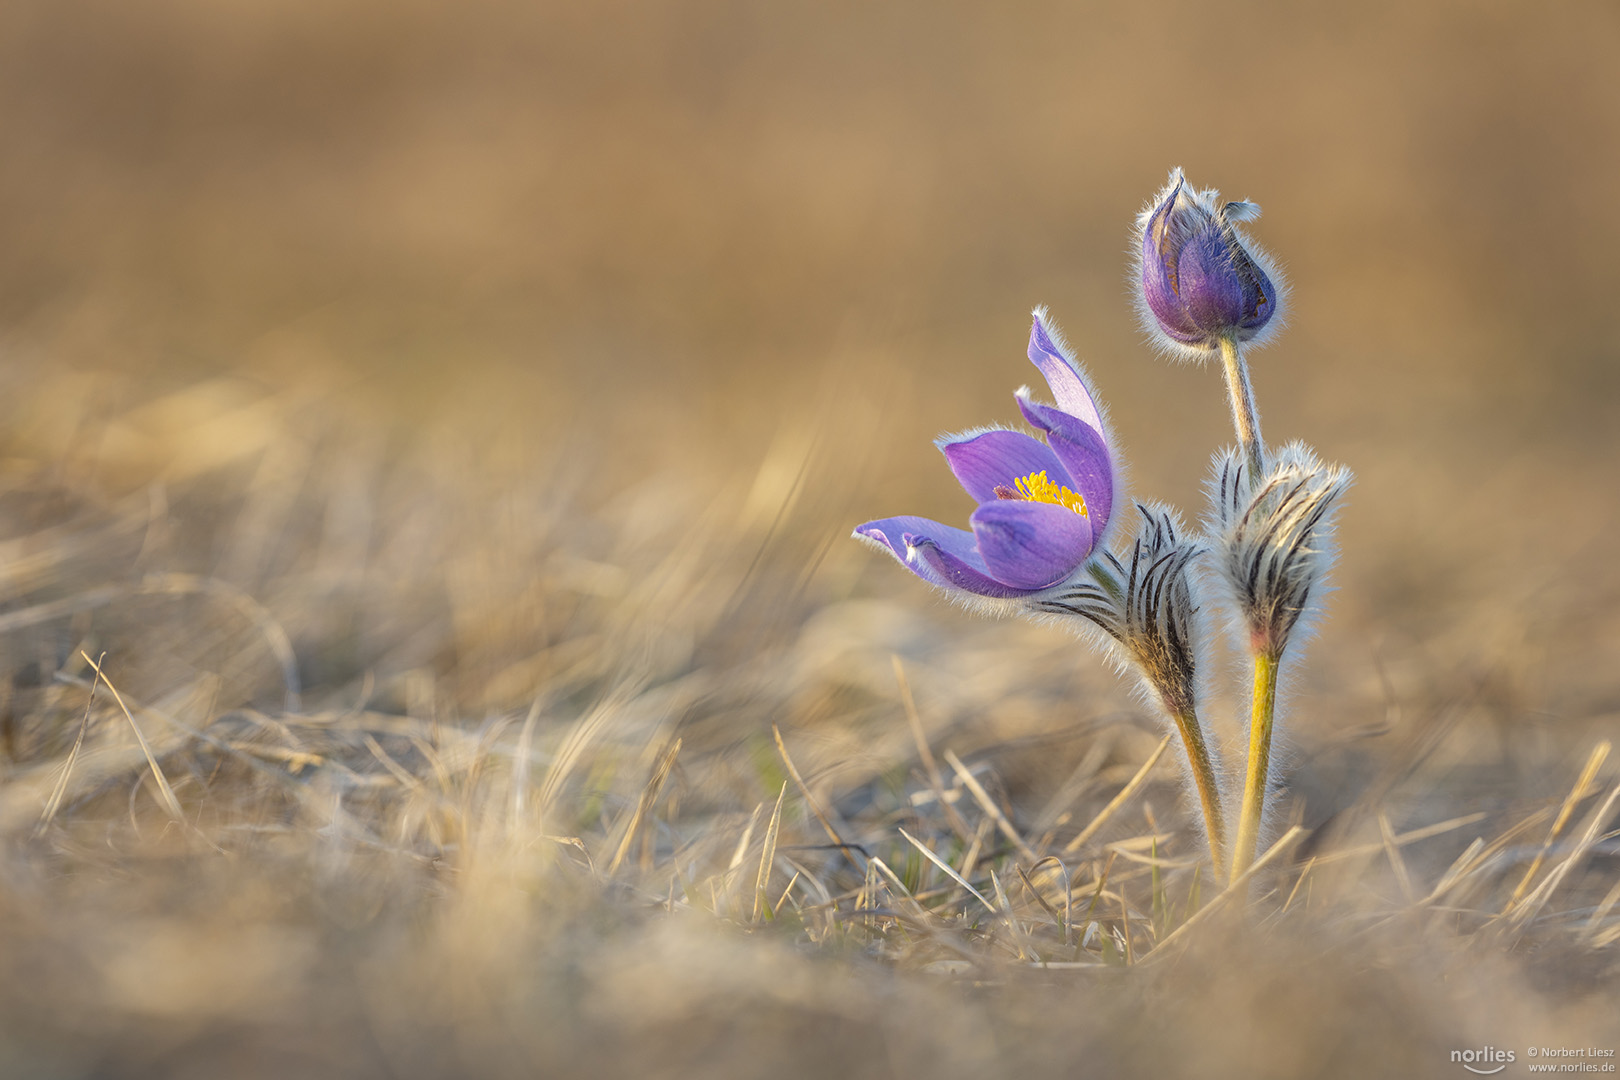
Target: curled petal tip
1049,354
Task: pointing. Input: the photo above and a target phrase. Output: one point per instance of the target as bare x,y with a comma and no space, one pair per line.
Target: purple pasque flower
1201,279
1044,507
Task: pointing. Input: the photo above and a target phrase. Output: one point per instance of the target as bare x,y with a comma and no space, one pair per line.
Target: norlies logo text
1487,1055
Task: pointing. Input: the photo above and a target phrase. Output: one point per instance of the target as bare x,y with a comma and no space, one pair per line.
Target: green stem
1261,722
1245,417
1209,793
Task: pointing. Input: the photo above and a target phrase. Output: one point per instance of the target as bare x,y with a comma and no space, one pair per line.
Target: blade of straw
395,769
1017,931
922,914
1057,920
1459,869
1393,851
1603,909
950,873
936,782
1119,800
768,855
792,881
747,835
649,795
815,807
993,811
1533,903
170,803
54,803
521,765
1239,886
583,732
1594,762
1400,840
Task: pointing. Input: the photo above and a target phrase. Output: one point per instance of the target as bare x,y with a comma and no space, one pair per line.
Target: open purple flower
1201,280
1043,507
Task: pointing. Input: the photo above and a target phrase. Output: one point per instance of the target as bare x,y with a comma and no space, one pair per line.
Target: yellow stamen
1037,488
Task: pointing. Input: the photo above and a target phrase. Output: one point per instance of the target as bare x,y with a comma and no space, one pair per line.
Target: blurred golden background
710,211
495,350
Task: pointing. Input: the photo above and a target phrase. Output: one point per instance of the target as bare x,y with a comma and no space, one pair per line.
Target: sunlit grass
426,760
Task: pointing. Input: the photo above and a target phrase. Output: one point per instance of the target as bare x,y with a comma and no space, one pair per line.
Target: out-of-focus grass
630,784
444,427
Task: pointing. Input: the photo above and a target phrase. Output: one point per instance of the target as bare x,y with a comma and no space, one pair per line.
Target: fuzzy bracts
1273,540
1039,543
1145,604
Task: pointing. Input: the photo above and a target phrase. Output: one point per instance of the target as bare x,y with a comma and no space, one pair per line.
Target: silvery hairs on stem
1144,611
1273,541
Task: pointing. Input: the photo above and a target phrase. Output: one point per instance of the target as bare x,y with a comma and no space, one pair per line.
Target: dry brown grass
620,789
444,431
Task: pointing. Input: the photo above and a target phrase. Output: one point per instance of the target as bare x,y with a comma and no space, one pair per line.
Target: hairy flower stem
1209,794
1261,721
1244,415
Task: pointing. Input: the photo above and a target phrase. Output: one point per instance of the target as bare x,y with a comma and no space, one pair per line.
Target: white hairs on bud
1207,201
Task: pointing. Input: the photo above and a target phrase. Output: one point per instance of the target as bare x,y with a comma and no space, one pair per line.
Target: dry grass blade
167,798
936,782
1125,793
982,797
810,801
1532,904
1396,863
1060,921
1020,939
786,893
55,609
580,736
920,913
743,841
54,803
1458,870
395,769
1601,911
521,765
1399,840
950,873
1303,874
1238,887
767,856
1589,772
649,795
275,636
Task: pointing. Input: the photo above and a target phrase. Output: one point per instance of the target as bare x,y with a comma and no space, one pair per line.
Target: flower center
1037,488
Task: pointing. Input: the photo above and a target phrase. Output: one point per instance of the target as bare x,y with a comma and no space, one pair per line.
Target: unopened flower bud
1201,280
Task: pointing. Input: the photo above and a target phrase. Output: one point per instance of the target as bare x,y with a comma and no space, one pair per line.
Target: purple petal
892,533
1163,236
1068,388
1031,545
939,554
1259,297
995,459
1211,288
1084,454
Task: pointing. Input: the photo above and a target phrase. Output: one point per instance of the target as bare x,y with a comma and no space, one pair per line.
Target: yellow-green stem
1254,786
1245,417
1209,794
